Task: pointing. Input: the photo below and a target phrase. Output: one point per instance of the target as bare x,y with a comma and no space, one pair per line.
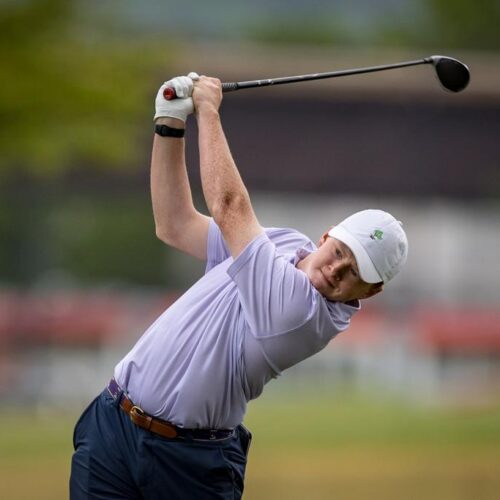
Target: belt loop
118,398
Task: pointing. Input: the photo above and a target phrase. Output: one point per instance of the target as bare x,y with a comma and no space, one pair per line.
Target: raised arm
225,194
177,222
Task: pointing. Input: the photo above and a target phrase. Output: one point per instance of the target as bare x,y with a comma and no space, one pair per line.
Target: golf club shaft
169,92
229,87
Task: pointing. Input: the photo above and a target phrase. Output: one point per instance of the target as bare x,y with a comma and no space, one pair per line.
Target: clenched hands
207,94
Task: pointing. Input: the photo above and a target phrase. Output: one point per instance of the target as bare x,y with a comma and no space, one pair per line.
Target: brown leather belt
140,418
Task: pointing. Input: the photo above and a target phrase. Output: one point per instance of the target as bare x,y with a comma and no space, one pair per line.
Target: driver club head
452,74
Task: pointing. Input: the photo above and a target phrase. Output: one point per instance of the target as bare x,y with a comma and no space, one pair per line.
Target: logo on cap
377,234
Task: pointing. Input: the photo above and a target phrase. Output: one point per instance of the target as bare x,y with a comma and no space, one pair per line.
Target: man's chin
341,297
333,296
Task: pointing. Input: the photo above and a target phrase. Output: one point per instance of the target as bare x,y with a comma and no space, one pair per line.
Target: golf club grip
169,92
230,87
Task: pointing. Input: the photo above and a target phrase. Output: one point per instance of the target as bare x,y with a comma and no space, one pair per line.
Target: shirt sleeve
276,297
217,250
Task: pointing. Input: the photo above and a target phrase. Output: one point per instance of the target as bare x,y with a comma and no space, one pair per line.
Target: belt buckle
136,410
212,434
139,417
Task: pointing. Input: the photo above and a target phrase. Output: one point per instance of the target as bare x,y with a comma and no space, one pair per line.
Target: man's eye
354,273
338,253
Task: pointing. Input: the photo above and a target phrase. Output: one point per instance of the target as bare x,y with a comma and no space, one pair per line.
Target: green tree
71,93
465,24
449,24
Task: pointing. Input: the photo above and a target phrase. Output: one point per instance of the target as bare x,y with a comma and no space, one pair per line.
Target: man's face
333,271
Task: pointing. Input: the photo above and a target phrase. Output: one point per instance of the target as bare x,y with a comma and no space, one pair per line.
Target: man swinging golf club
169,424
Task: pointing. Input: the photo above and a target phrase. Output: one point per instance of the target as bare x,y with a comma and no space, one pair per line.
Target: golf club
452,74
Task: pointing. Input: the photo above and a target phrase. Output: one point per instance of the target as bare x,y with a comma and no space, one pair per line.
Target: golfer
169,424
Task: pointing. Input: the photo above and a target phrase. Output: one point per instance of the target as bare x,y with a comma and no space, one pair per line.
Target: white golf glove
181,107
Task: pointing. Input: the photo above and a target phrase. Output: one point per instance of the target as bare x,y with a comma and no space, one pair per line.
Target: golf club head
452,74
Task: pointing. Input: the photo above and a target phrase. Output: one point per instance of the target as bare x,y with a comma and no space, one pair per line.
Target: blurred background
406,404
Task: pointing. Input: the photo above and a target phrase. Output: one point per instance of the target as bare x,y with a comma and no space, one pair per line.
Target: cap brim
367,270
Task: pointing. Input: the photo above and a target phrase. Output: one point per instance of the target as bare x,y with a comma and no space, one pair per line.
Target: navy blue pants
116,459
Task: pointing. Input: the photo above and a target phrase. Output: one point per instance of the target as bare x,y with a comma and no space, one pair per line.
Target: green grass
318,449
35,456
305,448
344,423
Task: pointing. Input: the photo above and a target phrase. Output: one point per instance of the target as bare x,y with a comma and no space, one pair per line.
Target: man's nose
337,269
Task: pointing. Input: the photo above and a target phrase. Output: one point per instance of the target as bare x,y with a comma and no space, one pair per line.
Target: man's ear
374,289
324,236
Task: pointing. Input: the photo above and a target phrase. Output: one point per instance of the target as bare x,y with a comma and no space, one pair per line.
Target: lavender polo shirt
243,323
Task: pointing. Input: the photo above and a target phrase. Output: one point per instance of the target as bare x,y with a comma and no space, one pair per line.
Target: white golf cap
377,241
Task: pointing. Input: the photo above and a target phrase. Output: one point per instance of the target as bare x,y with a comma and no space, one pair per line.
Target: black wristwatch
166,131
